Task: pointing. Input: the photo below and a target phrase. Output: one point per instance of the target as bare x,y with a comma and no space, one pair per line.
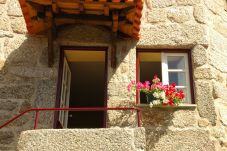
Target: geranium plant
158,94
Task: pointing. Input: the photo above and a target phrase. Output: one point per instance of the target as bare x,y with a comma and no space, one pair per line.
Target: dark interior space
87,90
147,72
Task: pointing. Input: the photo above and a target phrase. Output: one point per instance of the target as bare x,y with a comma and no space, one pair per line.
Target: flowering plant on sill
158,94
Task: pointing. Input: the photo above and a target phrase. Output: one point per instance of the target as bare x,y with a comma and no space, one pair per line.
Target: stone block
191,139
180,121
24,50
2,1
7,148
221,28
4,117
18,25
14,8
84,35
16,92
221,106
200,13
164,36
199,55
83,139
33,72
217,132
45,98
203,122
205,72
167,117
187,2
6,34
163,3
25,105
6,137
4,23
218,59
212,6
121,118
178,15
156,15
204,100
8,105
220,90
2,8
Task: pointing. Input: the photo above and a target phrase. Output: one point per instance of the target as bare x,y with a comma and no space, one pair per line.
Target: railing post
36,119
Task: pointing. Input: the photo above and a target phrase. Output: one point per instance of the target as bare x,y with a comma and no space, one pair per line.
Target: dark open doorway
87,87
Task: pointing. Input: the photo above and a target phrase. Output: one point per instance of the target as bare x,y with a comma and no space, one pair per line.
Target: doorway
86,87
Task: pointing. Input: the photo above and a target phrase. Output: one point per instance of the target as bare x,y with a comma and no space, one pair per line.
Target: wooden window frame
169,51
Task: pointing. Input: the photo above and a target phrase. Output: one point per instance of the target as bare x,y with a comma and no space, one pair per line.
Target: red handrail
37,110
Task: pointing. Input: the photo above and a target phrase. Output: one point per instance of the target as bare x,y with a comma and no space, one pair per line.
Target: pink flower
139,85
147,85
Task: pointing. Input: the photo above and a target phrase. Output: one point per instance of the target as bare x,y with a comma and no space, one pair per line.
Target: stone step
109,139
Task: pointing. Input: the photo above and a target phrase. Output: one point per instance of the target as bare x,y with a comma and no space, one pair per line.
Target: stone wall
197,25
25,79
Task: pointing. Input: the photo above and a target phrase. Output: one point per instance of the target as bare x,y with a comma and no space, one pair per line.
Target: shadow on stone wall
26,82
159,121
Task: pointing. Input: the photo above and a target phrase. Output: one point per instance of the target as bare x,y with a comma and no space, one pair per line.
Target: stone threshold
181,106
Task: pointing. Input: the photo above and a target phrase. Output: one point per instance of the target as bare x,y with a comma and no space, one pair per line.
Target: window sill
181,106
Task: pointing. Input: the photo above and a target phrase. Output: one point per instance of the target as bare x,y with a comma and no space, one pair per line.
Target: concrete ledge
109,139
181,106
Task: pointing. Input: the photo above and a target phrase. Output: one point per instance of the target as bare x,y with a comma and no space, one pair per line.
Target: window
170,67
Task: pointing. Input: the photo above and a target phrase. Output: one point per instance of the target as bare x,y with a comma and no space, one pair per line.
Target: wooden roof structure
119,15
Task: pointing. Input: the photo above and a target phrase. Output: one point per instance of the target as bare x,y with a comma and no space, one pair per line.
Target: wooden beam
51,36
63,21
114,51
115,21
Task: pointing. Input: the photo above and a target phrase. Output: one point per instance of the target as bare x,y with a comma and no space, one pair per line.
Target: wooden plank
93,12
130,15
115,21
62,21
68,4
126,28
94,6
106,11
42,2
55,8
71,11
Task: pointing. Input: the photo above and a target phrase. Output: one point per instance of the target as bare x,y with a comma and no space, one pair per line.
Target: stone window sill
181,106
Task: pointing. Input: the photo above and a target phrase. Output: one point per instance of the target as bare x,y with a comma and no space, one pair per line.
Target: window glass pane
178,78
176,62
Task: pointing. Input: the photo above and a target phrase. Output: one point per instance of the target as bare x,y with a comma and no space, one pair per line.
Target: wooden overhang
121,16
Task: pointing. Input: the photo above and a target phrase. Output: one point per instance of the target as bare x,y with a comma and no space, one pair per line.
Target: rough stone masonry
198,25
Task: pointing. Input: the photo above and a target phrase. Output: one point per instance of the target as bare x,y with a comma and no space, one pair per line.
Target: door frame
60,74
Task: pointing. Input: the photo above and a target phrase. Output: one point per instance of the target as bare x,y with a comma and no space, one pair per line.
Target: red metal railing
37,110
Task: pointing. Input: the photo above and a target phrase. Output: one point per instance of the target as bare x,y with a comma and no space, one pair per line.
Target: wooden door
65,94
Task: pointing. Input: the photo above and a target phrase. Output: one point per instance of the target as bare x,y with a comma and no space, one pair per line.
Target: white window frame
166,70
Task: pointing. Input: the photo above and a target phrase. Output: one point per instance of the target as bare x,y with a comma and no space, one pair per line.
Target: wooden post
51,37
114,51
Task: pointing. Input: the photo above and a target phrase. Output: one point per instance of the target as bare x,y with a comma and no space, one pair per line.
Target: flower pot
150,98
